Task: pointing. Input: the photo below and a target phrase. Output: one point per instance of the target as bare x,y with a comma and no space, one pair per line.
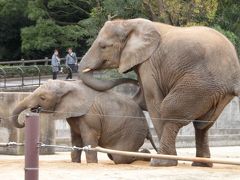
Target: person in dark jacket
55,63
71,62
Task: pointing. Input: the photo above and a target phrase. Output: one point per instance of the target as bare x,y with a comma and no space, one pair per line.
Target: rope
132,154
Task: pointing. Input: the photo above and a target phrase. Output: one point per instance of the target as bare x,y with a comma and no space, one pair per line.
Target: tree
182,12
104,9
227,20
12,19
56,26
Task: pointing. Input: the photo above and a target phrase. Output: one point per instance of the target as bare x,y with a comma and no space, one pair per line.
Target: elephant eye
104,45
42,98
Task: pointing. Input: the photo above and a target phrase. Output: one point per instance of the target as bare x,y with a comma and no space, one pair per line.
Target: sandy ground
59,166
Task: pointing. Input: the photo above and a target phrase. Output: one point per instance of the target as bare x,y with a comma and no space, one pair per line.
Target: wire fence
32,145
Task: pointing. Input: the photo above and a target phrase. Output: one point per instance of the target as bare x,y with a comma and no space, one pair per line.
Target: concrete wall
226,131
8,100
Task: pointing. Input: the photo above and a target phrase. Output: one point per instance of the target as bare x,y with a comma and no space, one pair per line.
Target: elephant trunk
103,85
17,110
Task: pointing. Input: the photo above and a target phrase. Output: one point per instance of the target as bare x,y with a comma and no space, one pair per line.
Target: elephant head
121,44
62,99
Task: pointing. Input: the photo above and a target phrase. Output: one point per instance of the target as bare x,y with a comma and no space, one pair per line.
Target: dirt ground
59,166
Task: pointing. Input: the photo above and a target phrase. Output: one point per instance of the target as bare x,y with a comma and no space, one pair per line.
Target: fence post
31,147
46,61
22,62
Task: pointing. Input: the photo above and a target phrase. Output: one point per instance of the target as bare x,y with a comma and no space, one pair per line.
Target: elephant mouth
36,109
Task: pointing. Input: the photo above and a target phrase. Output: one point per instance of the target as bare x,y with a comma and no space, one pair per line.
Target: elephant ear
141,42
75,102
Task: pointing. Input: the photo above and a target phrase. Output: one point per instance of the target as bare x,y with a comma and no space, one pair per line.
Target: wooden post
31,147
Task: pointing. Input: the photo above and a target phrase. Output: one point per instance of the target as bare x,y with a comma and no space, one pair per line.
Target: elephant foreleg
76,141
89,137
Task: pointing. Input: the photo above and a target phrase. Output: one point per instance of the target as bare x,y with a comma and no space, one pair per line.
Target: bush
27,71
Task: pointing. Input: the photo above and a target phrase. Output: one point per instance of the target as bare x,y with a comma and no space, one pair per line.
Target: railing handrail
4,73
23,61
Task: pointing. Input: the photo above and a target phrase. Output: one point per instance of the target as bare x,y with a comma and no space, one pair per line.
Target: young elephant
96,118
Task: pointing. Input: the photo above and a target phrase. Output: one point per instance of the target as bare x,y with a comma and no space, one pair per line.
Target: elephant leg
177,110
126,144
76,141
202,147
167,144
118,159
201,131
89,137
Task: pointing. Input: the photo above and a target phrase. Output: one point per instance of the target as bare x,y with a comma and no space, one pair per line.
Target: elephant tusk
86,70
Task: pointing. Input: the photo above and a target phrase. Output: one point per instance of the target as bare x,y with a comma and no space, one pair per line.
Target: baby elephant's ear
142,40
75,103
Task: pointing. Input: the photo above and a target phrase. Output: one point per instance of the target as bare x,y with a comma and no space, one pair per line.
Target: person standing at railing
55,63
71,62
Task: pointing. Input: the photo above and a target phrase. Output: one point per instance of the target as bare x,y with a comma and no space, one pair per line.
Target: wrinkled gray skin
96,118
188,73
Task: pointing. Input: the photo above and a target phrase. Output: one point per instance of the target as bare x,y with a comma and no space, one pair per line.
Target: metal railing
23,62
21,75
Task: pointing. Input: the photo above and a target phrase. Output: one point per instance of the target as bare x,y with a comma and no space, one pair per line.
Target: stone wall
8,133
226,131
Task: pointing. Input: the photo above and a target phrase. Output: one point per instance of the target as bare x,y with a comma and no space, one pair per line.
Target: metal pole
31,147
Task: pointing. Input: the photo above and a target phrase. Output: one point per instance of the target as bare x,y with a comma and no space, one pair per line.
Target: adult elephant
187,74
96,118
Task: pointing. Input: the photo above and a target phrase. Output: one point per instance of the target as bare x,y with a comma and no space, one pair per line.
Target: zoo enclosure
26,69
32,146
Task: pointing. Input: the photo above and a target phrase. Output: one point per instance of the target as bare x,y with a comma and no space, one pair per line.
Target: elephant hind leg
202,147
177,110
167,144
201,131
118,159
131,144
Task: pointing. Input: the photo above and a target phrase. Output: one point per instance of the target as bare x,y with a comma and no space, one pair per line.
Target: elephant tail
150,138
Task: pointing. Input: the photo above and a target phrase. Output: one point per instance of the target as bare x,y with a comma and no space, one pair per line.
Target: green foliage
230,35
56,26
28,71
12,19
228,19
182,12
121,9
33,28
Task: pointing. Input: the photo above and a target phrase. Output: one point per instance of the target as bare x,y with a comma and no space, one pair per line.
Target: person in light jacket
71,62
55,63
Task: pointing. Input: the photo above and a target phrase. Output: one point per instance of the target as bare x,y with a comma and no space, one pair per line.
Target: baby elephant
103,119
